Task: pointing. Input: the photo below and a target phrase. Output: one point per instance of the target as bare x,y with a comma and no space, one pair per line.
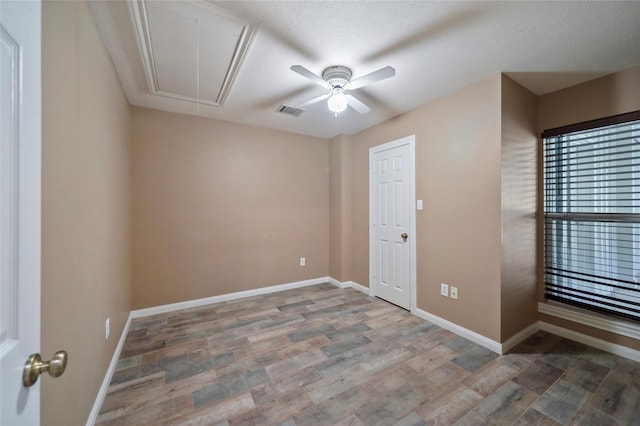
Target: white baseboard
352,284
225,297
591,319
337,283
481,340
502,348
519,337
102,392
613,348
492,345
360,287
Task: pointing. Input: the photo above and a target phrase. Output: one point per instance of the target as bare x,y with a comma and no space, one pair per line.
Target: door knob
35,367
404,236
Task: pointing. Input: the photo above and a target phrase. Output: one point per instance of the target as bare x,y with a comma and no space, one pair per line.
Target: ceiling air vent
286,109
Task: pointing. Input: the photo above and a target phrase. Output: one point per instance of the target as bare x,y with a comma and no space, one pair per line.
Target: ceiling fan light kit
337,102
337,79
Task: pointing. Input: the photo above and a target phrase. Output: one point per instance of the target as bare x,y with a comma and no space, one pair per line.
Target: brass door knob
35,367
404,236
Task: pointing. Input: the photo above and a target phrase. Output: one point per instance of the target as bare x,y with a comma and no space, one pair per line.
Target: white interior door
392,234
20,164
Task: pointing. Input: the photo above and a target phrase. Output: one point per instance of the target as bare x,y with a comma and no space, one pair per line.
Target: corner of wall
86,207
340,207
518,286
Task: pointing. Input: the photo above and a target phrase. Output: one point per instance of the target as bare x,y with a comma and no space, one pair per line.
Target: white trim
140,19
102,392
492,345
591,319
411,141
21,200
613,348
355,285
225,297
337,283
352,284
520,336
500,348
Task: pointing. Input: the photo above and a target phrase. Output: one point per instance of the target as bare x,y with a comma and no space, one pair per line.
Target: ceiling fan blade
313,101
381,74
310,76
358,105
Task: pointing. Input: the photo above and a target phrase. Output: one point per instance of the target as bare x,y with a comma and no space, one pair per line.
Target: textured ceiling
435,47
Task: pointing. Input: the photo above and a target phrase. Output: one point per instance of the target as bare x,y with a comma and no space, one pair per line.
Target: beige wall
458,177
340,208
610,95
86,209
221,207
519,178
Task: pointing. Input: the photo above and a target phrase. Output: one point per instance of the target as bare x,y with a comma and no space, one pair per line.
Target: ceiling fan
337,79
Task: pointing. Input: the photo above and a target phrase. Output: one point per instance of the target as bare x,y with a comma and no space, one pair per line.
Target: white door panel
20,154
392,216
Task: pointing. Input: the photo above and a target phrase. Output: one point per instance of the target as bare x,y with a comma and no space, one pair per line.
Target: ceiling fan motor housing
337,76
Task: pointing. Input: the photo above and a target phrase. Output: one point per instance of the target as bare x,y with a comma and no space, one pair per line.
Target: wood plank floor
321,355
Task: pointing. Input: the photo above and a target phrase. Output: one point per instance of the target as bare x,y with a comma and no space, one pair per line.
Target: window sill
591,319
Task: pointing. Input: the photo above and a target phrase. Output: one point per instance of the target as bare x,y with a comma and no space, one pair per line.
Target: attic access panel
190,51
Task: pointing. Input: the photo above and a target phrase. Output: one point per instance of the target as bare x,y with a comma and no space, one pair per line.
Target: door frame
22,22
411,141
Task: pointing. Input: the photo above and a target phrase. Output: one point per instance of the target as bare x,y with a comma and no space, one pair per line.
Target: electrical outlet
303,261
106,329
454,293
444,289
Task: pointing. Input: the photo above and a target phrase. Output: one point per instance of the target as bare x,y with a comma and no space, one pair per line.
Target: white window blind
592,215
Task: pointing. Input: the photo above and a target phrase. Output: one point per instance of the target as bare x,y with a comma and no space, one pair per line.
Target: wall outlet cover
454,293
444,289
